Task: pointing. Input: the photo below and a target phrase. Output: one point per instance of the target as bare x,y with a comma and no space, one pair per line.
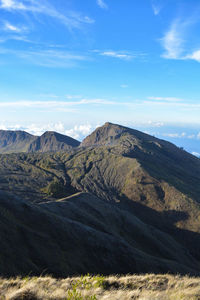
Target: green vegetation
56,189
88,283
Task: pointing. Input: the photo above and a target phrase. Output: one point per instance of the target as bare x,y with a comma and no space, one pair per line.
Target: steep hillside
138,199
82,234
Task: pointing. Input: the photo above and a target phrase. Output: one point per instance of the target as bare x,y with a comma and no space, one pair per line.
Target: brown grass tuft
143,287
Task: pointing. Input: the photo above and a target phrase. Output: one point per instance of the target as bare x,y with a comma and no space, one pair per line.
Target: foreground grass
144,287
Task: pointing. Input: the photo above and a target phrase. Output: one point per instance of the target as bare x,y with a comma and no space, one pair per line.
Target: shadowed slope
74,236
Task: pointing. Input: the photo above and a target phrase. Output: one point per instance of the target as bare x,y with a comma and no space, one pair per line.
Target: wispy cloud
176,41
52,58
124,86
54,104
69,19
173,104
168,99
175,135
12,4
73,96
102,4
156,10
70,106
173,41
117,54
121,54
12,28
157,6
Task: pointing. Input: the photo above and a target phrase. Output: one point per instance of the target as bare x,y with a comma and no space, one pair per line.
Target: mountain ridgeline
120,202
21,141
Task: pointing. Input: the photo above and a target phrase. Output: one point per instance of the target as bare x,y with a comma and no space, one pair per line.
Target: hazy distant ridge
21,141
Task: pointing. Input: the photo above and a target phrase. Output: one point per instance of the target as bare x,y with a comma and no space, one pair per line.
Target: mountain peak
110,133
53,141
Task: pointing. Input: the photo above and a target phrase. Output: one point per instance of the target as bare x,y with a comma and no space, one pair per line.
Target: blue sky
70,65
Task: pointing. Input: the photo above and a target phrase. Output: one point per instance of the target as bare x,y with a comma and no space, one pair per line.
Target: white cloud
11,4
102,4
12,28
173,42
181,135
58,105
47,58
176,41
69,19
115,54
97,101
80,131
194,56
184,105
73,96
77,132
155,124
168,99
173,135
124,86
196,154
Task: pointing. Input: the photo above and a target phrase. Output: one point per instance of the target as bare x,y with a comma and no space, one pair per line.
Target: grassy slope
144,287
82,234
152,192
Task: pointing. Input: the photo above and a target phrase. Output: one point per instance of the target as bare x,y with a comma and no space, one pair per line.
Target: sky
72,65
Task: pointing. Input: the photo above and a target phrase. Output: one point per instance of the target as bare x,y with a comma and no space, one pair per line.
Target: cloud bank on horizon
87,62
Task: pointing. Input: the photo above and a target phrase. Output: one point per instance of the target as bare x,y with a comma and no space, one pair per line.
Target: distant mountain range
21,141
120,202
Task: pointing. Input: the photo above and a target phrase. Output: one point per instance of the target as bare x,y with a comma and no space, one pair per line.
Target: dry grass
144,287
